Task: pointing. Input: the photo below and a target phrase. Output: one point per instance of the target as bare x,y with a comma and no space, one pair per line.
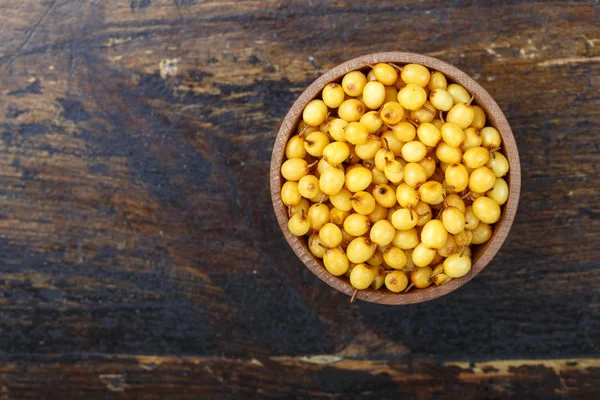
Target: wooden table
139,253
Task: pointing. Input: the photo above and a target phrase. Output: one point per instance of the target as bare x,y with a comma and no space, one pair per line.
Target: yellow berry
360,250
372,120
448,154
437,81
457,176
330,235
358,179
479,118
404,131
363,203
385,73
396,281
461,114
434,234
337,127
452,134
453,220
441,99
404,219
412,97
476,157
290,196
333,95
415,74
421,277
374,94
406,240
458,93
315,113
486,209
335,153
481,234
356,224
382,232
392,113
308,186
299,224
332,180
341,200
351,110
490,137
471,220
422,256
362,276
429,134
499,164
481,180
456,266
353,83
414,174
395,257
356,133
336,262
499,192
315,143
295,148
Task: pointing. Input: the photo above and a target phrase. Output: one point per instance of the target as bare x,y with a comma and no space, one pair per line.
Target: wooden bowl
482,254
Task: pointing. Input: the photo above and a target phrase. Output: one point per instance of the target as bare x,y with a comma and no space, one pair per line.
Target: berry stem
428,110
493,151
471,100
442,117
353,296
408,288
304,129
413,122
396,67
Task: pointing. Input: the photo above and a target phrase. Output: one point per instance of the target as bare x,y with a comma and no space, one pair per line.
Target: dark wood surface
139,252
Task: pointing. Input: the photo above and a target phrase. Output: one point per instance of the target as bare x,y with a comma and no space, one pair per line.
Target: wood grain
482,255
319,377
135,215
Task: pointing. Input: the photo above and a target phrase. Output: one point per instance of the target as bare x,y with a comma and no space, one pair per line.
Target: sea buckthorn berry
385,73
396,281
412,97
456,266
333,95
392,113
441,99
351,110
315,113
374,95
415,74
437,81
353,83
458,93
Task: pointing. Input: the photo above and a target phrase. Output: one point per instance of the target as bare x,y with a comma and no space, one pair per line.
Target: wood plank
321,377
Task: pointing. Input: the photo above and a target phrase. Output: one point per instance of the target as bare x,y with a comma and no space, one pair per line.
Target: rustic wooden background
139,253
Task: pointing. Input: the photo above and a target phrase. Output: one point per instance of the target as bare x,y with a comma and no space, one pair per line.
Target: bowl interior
482,254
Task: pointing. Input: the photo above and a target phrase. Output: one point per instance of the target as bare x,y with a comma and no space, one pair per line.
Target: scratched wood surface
139,252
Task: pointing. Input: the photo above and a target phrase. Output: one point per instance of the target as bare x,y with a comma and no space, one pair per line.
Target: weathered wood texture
135,216
117,377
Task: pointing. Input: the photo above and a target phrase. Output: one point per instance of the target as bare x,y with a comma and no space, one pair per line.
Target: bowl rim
495,117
